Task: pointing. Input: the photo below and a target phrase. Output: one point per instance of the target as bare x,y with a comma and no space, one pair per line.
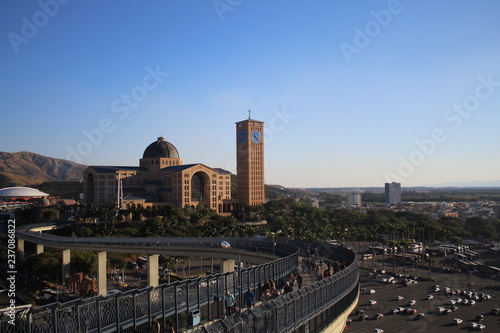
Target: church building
162,179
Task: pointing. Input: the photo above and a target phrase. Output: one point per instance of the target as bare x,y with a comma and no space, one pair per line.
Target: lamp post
274,242
226,246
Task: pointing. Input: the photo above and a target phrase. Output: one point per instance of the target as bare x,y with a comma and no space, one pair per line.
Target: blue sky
353,93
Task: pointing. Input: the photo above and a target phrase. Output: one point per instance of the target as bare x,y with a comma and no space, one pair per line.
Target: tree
84,262
45,266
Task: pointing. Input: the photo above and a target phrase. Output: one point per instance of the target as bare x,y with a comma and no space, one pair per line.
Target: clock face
256,136
242,136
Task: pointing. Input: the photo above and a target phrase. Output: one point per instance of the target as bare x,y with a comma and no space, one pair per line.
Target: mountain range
27,169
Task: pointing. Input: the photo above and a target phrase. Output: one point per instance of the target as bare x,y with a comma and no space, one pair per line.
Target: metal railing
309,309
132,311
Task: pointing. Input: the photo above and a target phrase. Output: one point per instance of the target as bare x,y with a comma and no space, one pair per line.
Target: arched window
197,185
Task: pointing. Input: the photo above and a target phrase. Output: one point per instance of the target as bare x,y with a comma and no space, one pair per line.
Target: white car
457,321
371,291
441,309
429,297
412,302
378,330
398,298
480,327
372,302
473,324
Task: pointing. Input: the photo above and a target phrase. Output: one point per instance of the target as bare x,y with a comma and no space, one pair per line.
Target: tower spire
249,114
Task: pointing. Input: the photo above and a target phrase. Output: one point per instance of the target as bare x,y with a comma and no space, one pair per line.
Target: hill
27,169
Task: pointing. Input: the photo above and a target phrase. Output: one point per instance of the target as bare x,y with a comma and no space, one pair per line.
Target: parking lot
385,294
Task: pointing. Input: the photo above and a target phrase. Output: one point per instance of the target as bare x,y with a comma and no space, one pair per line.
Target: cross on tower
249,114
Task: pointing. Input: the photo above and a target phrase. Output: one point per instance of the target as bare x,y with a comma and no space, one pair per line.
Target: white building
353,200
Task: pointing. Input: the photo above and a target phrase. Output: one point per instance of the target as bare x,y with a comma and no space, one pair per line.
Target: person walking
169,328
229,300
249,297
288,288
266,295
299,280
155,325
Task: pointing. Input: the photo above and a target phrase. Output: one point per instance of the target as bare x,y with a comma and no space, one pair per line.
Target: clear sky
353,93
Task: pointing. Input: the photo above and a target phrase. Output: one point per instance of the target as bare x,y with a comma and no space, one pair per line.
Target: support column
228,265
153,270
66,259
39,248
102,280
20,245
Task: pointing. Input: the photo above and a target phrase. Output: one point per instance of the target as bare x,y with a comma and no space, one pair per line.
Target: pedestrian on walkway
229,300
249,296
155,325
169,328
266,295
299,280
288,288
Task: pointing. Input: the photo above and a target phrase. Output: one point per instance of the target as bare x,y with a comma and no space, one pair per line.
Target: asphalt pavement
385,295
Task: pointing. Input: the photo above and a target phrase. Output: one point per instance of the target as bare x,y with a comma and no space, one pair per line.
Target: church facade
162,179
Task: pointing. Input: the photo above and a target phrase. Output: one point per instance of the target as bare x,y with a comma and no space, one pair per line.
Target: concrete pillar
20,245
102,279
66,259
39,248
228,265
153,270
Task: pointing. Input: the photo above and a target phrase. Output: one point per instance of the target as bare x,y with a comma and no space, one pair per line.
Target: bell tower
250,161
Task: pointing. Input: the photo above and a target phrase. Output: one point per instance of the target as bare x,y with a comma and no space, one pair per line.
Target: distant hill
27,169
479,183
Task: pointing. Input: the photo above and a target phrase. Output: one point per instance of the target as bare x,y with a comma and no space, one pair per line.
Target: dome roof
14,192
161,148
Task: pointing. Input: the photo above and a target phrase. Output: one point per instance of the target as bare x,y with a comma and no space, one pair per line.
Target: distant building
496,210
353,200
392,193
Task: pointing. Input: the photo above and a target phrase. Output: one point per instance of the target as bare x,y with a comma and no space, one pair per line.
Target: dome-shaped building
161,149
160,179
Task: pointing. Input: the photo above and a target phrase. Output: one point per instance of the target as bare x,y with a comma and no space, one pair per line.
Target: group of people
229,301
155,326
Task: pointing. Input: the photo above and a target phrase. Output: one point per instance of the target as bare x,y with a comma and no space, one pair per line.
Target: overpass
322,306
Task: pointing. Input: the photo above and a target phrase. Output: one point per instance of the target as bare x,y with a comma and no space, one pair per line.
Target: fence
309,309
132,311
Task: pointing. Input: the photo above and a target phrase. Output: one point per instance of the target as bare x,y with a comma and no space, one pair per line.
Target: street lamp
226,246
274,242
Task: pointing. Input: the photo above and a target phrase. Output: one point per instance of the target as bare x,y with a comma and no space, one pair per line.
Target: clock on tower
250,161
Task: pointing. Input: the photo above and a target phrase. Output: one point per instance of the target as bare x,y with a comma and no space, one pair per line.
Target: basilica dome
161,148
